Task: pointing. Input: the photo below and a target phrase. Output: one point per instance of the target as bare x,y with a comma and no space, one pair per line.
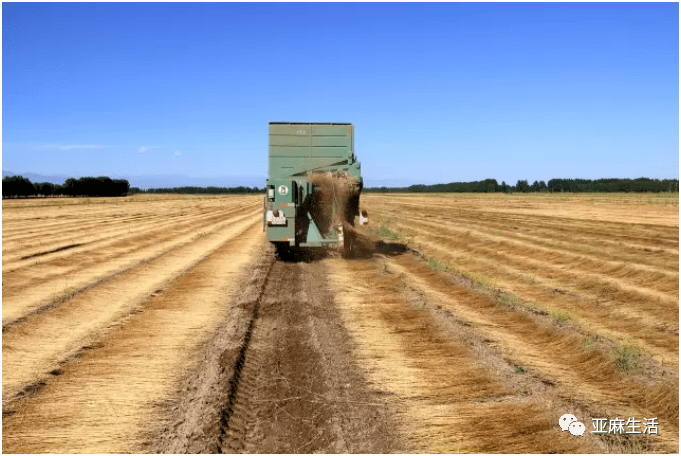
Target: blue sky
437,92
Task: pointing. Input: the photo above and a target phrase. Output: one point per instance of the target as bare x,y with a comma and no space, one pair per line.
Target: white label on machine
283,190
272,220
363,219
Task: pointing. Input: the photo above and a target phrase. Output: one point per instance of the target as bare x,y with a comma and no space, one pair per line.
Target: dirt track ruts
290,384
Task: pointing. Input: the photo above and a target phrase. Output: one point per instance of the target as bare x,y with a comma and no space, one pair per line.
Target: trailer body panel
297,152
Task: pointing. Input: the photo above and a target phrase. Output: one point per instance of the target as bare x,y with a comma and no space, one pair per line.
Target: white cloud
69,146
143,149
177,153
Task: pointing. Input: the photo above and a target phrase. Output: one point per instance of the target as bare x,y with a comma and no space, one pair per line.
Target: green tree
44,188
522,186
17,186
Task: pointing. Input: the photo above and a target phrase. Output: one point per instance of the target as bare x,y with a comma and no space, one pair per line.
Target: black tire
283,251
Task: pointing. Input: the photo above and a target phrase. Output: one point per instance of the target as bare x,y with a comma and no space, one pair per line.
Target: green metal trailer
301,156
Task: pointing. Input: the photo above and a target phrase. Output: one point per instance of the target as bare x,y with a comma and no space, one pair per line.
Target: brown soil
287,379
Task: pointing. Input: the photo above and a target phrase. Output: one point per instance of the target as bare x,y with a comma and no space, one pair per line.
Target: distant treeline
641,184
200,190
20,187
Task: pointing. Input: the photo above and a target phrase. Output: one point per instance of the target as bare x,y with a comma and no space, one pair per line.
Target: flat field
462,323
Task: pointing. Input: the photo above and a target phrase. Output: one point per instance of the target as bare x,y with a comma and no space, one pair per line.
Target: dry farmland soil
460,323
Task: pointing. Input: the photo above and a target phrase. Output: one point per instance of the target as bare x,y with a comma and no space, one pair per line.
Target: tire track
288,383
237,416
282,398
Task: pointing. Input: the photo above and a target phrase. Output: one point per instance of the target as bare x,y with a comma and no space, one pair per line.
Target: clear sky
438,92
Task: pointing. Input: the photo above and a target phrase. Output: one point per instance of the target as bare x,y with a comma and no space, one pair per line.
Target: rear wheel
283,250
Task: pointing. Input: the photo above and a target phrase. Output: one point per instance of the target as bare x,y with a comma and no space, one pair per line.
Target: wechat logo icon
569,422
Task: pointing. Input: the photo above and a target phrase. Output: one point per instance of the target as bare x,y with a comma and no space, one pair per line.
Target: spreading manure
335,201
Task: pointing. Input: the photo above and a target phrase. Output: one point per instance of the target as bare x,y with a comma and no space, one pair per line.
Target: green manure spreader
313,187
